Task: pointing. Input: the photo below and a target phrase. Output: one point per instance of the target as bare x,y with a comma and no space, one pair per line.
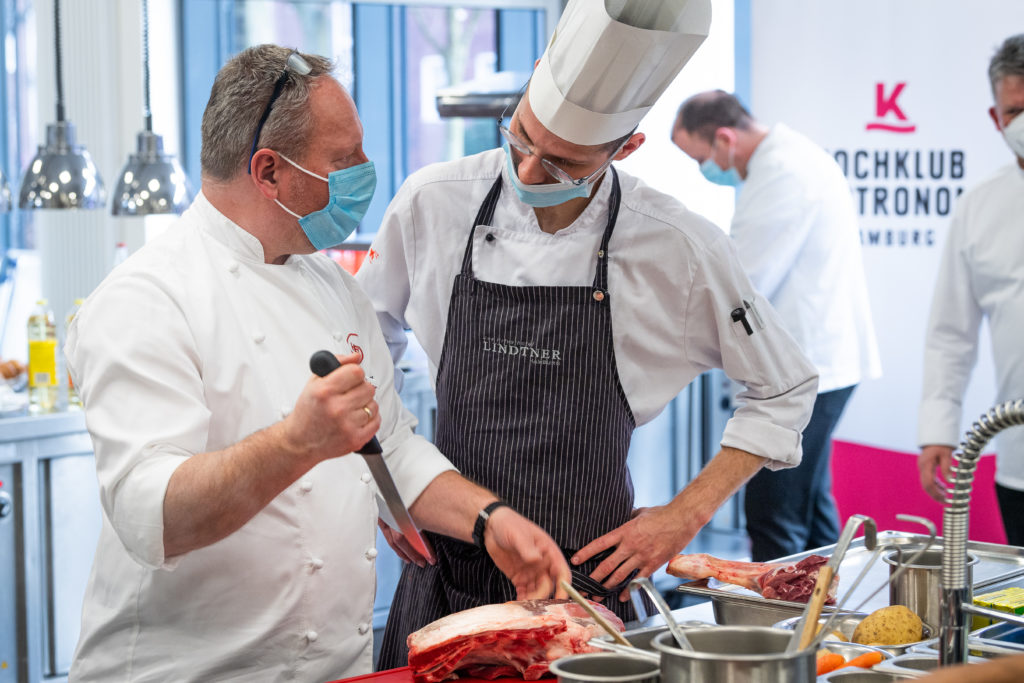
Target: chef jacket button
284,412
306,486
363,628
366,477
233,267
258,337
490,237
316,563
371,553
311,636
337,336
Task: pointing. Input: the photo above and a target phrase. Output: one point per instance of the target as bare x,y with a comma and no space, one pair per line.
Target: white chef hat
609,61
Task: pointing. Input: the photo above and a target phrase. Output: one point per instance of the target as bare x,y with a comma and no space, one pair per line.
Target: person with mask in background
981,277
795,228
237,541
562,303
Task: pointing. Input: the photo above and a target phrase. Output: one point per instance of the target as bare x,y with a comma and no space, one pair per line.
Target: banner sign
898,93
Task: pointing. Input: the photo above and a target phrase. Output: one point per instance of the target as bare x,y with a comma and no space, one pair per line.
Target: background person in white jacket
981,277
795,228
237,542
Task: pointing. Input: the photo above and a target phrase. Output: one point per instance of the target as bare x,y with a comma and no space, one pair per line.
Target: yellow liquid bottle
42,360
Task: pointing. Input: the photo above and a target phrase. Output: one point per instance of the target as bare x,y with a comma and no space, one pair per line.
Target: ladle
926,523
804,631
666,612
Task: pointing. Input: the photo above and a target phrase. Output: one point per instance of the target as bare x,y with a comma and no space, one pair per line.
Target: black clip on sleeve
323,363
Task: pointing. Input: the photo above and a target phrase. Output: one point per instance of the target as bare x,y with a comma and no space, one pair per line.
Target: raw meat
774,580
518,638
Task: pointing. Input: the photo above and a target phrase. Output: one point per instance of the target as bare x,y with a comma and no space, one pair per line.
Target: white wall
659,162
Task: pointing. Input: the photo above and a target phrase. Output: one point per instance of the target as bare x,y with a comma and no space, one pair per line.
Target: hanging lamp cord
60,61
147,112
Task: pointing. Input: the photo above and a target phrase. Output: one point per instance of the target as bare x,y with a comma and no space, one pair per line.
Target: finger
609,564
349,358
596,546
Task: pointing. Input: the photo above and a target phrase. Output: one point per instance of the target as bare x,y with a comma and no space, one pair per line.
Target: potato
893,625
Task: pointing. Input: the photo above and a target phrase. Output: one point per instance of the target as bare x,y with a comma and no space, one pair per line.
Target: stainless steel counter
48,531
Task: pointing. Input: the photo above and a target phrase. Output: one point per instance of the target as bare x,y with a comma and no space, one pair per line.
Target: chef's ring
369,413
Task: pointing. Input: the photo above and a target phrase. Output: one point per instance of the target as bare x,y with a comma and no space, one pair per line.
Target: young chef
562,304
236,543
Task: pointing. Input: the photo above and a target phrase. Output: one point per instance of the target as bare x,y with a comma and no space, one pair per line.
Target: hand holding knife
323,363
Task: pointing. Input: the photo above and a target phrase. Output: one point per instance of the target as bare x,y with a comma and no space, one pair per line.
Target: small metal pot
918,587
751,654
604,667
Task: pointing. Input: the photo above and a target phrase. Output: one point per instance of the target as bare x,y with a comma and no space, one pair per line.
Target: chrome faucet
956,590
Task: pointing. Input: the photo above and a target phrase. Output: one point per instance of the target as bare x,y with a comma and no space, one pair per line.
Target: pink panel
881,483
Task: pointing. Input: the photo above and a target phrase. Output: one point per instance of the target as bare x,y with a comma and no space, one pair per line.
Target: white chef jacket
189,346
673,280
981,276
795,229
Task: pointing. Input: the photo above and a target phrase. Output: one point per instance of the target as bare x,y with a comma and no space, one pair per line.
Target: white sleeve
780,384
413,461
131,354
951,341
386,274
770,227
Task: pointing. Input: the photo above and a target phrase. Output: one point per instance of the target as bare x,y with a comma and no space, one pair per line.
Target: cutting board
404,675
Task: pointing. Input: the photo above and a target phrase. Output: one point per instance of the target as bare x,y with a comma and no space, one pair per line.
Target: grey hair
240,94
1007,61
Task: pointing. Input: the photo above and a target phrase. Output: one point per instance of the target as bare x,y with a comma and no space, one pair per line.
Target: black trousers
793,510
1011,506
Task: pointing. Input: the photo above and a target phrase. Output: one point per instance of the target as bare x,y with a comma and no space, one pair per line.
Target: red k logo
886,105
351,339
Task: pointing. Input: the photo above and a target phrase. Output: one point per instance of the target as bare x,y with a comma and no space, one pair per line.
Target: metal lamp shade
62,175
151,182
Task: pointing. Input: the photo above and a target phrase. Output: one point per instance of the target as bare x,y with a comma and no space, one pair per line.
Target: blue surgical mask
351,190
729,177
540,196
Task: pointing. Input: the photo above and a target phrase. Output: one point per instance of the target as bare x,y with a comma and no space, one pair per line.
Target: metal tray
735,606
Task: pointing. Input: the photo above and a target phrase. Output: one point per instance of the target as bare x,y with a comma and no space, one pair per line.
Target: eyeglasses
555,171
295,63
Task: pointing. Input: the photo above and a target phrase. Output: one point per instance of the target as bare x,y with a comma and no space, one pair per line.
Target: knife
323,363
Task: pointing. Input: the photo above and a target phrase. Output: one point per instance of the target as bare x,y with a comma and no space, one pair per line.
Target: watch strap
481,522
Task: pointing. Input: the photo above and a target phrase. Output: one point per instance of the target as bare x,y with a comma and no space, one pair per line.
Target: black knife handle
323,363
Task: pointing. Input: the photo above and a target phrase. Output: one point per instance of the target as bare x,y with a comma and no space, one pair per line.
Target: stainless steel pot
918,587
735,654
604,667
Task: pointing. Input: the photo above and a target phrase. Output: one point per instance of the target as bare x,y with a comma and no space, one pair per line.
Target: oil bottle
42,359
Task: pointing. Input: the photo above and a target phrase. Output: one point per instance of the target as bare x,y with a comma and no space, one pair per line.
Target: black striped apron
529,405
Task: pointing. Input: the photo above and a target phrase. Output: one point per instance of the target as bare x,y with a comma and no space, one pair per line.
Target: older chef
236,543
562,304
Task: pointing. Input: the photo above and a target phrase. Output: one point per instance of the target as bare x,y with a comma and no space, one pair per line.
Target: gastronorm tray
734,605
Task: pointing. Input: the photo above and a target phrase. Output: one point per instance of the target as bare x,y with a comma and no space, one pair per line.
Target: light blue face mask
714,173
351,190
540,196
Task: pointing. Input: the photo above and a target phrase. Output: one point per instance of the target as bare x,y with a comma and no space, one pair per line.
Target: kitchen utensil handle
323,363
814,606
602,622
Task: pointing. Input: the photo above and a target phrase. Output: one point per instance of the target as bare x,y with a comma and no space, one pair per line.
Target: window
392,57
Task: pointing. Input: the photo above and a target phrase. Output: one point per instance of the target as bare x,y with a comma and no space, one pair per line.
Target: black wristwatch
481,522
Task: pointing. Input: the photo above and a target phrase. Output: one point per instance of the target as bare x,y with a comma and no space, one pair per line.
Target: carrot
866,660
829,661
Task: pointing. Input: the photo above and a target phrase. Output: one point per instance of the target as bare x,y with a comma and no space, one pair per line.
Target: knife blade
323,363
